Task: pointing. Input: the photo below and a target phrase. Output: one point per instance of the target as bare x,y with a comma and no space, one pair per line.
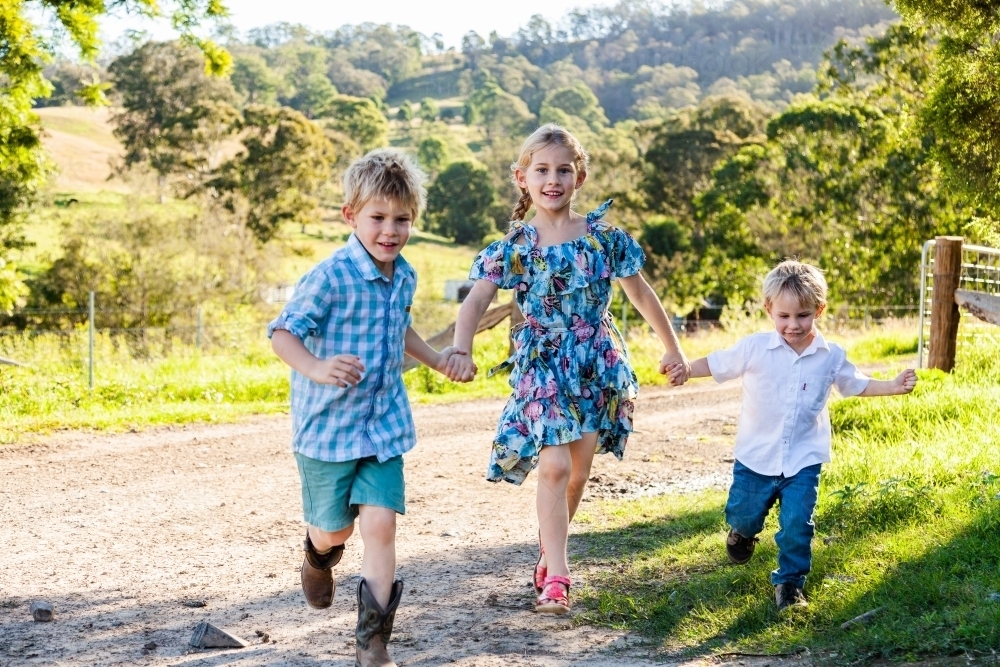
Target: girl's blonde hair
543,137
803,281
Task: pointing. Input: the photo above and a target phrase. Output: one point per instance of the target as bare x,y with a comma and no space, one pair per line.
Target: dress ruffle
570,372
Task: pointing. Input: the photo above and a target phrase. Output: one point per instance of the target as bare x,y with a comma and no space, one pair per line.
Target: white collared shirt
784,422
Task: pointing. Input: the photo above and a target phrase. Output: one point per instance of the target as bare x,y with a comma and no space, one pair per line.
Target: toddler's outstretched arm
460,366
700,369
901,384
642,296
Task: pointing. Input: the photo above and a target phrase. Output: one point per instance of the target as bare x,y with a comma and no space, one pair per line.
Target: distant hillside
80,142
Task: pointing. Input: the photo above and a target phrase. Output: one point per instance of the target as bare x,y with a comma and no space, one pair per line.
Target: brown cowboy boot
317,579
375,626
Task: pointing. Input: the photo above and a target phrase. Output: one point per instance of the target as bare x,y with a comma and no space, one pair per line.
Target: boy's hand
675,366
343,370
906,381
460,367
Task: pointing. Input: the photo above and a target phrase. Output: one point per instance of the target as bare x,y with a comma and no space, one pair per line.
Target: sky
450,18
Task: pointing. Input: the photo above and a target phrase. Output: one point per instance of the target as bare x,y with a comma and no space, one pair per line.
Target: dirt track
119,532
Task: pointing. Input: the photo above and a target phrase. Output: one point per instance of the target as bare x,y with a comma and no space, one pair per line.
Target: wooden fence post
944,309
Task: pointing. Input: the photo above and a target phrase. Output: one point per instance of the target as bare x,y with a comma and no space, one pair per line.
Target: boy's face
793,321
383,227
551,179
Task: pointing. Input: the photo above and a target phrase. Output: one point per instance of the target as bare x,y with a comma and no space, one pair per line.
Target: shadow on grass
935,582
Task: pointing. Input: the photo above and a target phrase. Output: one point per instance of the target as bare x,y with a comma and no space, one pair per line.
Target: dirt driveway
122,533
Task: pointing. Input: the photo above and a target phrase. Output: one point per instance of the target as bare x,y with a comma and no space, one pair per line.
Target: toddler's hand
343,370
676,367
906,381
460,367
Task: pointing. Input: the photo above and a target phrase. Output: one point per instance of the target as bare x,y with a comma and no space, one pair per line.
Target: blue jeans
751,498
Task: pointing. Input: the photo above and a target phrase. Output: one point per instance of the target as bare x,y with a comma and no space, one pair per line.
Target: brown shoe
375,626
317,579
789,597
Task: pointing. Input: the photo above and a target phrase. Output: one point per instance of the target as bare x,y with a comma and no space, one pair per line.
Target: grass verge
907,524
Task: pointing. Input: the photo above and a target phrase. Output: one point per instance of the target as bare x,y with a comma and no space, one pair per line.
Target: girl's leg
554,467
378,567
582,452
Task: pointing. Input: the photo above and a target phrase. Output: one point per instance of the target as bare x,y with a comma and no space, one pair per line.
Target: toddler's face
383,227
793,321
551,178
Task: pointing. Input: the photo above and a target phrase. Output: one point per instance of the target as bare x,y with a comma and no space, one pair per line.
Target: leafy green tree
433,153
405,112
254,80
499,112
173,116
360,124
459,203
577,100
428,110
277,176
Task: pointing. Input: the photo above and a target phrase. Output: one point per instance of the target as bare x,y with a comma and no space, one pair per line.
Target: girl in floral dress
573,385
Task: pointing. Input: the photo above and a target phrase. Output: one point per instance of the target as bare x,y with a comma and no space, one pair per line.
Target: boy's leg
751,497
798,495
325,490
379,495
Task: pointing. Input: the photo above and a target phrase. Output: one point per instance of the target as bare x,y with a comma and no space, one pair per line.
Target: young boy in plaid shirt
344,334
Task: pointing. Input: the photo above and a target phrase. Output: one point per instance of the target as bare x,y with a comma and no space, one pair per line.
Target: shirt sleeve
500,263
308,308
849,381
624,254
729,364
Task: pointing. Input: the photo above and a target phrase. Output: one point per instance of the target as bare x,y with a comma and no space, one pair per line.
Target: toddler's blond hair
543,137
385,174
803,281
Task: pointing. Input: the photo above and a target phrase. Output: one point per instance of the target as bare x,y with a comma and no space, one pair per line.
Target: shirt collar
818,343
356,251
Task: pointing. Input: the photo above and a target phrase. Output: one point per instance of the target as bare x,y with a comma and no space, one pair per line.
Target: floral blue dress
570,372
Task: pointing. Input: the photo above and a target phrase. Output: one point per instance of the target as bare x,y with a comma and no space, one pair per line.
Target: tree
433,154
428,110
500,113
23,165
360,124
577,100
276,177
405,112
305,72
459,202
963,106
173,115
254,80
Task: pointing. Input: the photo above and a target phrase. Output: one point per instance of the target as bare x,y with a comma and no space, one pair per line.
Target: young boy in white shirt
784,430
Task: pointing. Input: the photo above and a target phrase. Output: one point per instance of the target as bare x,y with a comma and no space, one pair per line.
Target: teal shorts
332,492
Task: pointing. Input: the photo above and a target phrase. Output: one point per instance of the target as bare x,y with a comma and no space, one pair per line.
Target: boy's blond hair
385,174
803,281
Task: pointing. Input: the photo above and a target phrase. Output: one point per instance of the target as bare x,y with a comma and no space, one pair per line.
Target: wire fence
980,273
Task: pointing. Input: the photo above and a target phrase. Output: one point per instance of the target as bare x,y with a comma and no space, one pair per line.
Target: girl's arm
461,368
642,296
417,347
901,384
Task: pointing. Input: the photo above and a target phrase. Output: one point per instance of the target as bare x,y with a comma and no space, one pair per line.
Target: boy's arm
901,384
417,347
700,369
342,370
642,296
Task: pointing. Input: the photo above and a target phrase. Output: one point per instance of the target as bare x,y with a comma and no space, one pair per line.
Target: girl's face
552,178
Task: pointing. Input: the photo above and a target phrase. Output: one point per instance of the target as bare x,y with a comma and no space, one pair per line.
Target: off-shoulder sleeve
500,263
308,308
624,254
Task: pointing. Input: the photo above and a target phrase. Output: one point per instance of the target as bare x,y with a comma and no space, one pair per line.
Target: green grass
907,523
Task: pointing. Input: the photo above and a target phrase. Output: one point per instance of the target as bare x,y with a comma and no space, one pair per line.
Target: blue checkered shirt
345,305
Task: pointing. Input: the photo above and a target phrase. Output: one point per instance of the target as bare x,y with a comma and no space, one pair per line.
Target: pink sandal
541,572
554,598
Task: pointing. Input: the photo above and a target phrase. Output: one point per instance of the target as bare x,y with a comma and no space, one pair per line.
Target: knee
324,539
554,470
378,525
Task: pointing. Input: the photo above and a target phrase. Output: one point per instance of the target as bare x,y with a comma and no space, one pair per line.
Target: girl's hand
906,381
343,370
460,367
675,366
